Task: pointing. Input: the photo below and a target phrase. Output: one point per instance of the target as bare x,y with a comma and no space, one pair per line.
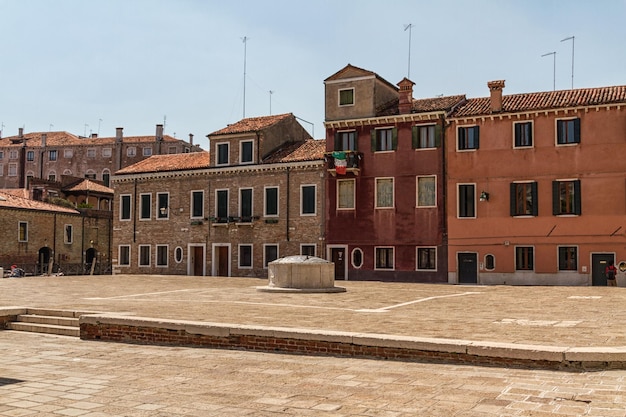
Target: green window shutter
577,130
477,135
438,134
414,137
394,138
577,198
556,200
337,146
373,140
535,199
513,199
559,132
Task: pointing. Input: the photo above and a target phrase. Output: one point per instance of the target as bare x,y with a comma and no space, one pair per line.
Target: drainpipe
288,198
444,191
54,238
135,211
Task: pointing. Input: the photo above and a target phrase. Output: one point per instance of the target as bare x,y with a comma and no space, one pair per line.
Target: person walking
611,274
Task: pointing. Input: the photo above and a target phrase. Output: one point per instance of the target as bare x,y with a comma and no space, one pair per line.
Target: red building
385,211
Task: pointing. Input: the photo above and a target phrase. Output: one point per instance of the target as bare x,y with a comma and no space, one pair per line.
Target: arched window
490,262
178,254
357,258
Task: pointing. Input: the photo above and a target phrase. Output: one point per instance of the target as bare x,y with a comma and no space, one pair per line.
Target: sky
197,66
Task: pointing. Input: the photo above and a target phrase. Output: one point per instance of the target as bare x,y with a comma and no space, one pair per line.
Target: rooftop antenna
553,69
409,27
271,92
245,43
567,39
99,122
50,127
164,121
1,128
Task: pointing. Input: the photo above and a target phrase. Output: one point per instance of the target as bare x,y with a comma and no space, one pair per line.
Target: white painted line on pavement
420,300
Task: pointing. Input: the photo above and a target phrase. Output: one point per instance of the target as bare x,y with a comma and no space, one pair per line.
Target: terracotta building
51,155
385,194
537,187
256,197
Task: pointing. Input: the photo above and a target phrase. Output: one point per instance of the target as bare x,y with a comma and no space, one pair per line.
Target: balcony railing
335,162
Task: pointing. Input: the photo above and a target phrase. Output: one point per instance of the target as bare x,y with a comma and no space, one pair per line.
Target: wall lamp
484,196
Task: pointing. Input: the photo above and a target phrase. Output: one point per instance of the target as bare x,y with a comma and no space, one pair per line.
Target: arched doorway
90,260
43,260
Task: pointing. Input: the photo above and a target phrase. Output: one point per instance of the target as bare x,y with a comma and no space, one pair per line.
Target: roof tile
306,150
251,124
173,162
12,201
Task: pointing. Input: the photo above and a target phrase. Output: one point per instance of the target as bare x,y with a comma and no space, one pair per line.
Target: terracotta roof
351,71
424,105
307,150
173,162
88,185
545,100
18,192
33,139
252,124
12,201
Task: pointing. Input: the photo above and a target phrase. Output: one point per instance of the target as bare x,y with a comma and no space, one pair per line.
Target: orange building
536,187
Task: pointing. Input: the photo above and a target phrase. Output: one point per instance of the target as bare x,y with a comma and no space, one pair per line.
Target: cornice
398,118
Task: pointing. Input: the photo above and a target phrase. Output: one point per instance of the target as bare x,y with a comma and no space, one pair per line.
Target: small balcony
335,162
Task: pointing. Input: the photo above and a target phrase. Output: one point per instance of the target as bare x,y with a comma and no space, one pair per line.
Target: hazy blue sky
91,66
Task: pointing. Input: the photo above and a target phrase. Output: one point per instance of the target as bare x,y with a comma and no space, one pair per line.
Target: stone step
51,320
45,328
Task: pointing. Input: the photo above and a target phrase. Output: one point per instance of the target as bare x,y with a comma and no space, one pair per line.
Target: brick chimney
44,138
191,138
405,103
119,134
159,133
94,136
20,132
495,89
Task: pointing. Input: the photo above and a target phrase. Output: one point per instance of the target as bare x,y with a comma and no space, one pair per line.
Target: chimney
20,133
159,133
119,134
44,137
191,139
495,89
405,103
94,136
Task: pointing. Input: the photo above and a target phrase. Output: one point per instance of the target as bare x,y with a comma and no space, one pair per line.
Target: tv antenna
245,43
409,27
553,68
567,39
271,92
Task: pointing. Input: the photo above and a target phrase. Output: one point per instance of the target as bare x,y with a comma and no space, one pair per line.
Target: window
246,151
91,153
524,258
52,155
245,204
163,205
125,207
1,170
1,154
426,136
346,97
123,255
68,153
568,131
106,177
523,132
271,201
357,258
270,253
308,250
384,258
490,262
221,202
308,200
467,138
384,193
171,150
524,199
384,139
107,152
568,258
144,255
178,254
22,231
145,206
162,255
427,259
346,141
222,153
467,200
12,154
245,256
147,151
345,194
566,197
52,176
68,236
91,174
67,172
30,156
197,204
12,171
131,151
426,191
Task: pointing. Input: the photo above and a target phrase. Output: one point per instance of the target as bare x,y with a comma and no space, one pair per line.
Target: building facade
537,187
385,199
256,197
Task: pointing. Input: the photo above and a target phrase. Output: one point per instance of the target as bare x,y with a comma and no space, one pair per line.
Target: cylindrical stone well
301,273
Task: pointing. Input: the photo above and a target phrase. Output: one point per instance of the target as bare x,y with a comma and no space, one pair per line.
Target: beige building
258,196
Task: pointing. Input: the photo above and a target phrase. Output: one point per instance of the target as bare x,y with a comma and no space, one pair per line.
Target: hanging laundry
340,162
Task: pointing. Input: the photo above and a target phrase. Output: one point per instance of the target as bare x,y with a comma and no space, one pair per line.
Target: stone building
256,197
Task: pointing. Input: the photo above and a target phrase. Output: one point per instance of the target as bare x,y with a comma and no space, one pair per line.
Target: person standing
611,274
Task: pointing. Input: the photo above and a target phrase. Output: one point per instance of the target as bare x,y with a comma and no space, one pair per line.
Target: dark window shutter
337,142
414,137
577,130
373,140
556,200
535,199
577,198
394,138
356,141
518,134
559,132
513,198
460,137
438,134
476,136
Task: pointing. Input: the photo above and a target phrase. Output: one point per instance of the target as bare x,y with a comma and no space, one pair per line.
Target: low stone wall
344,344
